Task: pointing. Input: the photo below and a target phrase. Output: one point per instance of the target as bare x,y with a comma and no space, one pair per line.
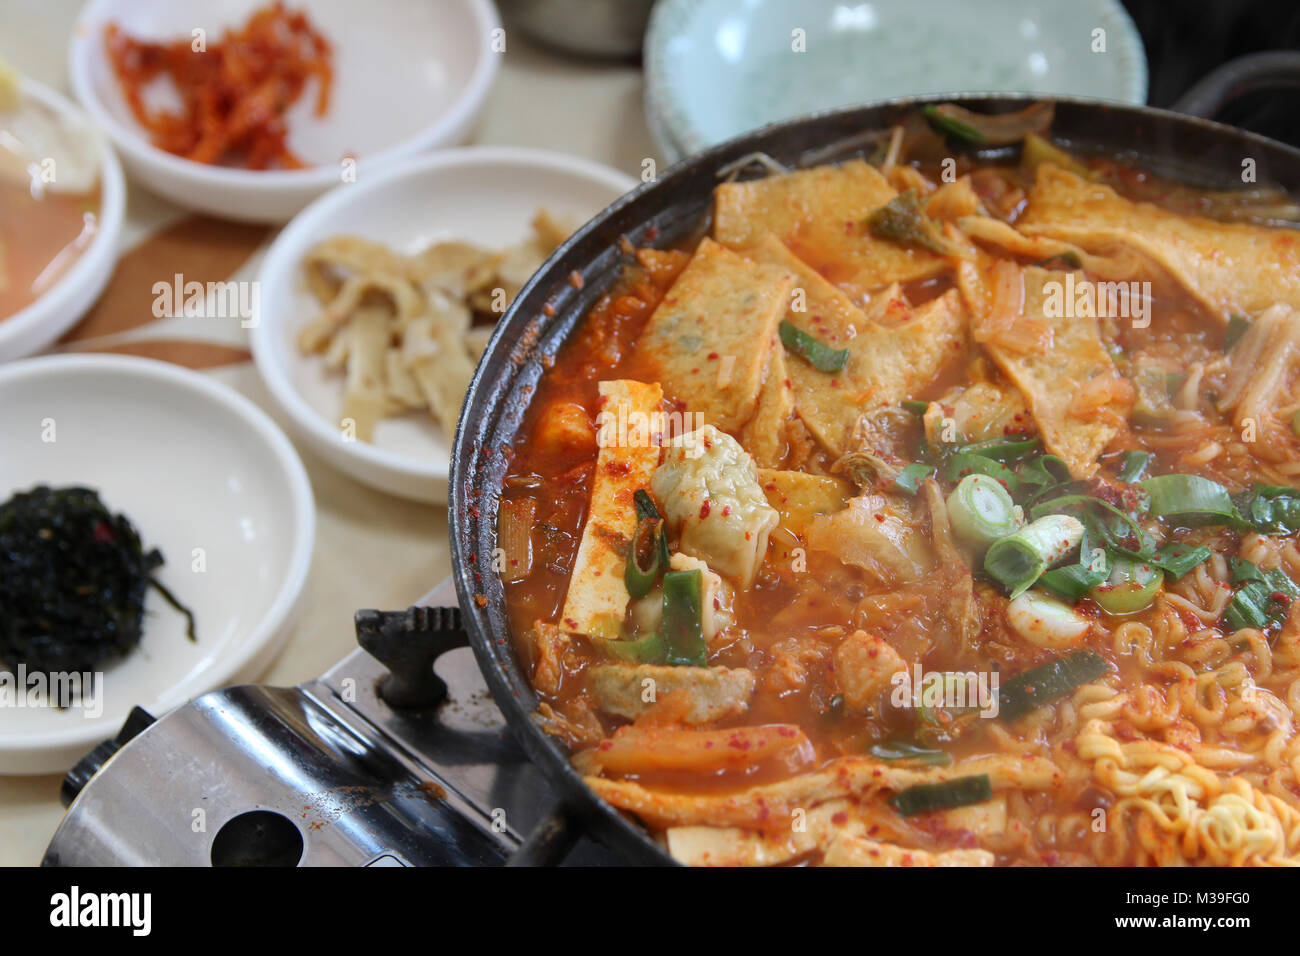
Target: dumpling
708,489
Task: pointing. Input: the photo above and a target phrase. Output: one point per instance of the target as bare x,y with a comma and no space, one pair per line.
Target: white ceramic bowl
486,195
716,68
33,328
408,77
193,465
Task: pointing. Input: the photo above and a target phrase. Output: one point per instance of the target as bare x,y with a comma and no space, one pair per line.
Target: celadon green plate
716,68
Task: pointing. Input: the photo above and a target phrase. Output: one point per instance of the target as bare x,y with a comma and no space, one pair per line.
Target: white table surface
371,550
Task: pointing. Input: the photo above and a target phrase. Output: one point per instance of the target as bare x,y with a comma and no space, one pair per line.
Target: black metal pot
673,206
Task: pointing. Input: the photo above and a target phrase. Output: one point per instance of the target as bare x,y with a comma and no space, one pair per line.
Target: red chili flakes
713,356
726,511
704,509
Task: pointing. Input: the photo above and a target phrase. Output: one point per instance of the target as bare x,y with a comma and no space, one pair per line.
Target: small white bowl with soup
62,198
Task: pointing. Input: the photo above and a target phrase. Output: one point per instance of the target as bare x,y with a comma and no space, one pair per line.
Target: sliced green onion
643,558
1074,581
909,479
1130,587
1135,539
645,505
989,129
963,464
1037,150
903,221
813,351
1237,326
645,508
1043,472
649,649
1019,559
1135,465
929,797
680,623
1001,449
1043,684
902,751
1264,598
1190,496
1271,509
1243,570
1177,559
916,407
981,511
953,126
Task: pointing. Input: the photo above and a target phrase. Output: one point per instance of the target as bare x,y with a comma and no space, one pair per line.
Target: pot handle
1255,71
407,643
549,842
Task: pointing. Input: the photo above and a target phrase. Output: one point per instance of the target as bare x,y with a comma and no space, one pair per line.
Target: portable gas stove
397,756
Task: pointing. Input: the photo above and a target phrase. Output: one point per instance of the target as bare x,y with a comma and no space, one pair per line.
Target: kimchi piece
234,93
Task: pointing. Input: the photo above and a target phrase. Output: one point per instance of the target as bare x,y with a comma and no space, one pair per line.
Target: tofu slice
629,423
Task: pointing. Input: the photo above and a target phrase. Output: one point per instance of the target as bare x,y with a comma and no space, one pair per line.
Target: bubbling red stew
930,511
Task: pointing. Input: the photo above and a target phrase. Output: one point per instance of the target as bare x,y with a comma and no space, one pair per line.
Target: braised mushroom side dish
935,508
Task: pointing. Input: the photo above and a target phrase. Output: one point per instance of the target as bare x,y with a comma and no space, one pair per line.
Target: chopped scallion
909,479
1190,496
981,511
1237,326
1135,465
681,622
1019,559
1177,559
901,751
1043,684
1002,449
1130,587
945,795
643,557
813,351
963,464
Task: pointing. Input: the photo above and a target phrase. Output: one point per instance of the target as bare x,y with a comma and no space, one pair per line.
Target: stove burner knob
407,643
89,765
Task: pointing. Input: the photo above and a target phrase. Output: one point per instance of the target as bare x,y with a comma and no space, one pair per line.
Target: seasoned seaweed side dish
73,578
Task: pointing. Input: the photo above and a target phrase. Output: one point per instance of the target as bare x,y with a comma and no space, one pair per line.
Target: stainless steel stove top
323,774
